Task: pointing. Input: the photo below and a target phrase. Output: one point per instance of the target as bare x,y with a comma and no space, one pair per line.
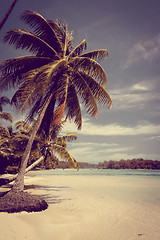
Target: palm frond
5,152
73,109
10,129
47,122
26,40
86,94
12,69
36,83
58,29
6,116
91,67
96,54
58,114
3,100
55,129
3,132
23,126
65,155
61,96
25,96
79,49
98,91
68,137
43,28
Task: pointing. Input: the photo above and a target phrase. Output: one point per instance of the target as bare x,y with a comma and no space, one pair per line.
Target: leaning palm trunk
7,178
8,13
19,182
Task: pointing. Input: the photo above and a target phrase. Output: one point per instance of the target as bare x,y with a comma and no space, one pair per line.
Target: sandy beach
89,208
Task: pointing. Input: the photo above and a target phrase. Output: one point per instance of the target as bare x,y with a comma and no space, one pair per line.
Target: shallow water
103,172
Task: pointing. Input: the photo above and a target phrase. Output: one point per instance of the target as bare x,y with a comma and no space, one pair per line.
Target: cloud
148,50
113,129
136,96
95,152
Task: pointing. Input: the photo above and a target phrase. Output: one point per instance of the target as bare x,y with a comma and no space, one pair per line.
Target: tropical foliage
136,163
12,145
50,82
4,115
56,70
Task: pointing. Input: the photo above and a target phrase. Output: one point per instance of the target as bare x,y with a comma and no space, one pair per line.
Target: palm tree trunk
34,164
19,182
7,178
8,13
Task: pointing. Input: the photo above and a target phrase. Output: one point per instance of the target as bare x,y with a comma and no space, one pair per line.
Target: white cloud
136,96
113,129
96,152
148,50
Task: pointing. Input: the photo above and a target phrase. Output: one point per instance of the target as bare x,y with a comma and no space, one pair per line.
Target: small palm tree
47,147
50,81
4,115
12,145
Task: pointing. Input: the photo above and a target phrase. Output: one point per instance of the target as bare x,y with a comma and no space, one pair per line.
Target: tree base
18,201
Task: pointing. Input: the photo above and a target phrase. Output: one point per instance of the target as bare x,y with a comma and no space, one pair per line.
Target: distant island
136,163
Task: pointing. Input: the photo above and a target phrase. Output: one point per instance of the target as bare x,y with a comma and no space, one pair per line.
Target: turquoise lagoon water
100,172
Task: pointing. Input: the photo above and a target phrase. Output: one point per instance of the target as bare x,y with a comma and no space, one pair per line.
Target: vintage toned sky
130,30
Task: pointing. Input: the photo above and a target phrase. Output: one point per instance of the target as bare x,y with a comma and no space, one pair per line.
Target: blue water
103,172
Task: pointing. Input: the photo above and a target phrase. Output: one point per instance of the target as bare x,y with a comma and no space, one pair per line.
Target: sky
130,31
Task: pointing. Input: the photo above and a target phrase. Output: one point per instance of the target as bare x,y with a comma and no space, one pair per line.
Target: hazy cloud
136,96
94,152
148,50
113,129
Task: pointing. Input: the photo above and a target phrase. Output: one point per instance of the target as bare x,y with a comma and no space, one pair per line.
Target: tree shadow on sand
19,201
12,201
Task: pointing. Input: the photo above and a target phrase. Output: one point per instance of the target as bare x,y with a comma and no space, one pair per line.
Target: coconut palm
50,81
8,13
4,132
12,145
4,115
48,147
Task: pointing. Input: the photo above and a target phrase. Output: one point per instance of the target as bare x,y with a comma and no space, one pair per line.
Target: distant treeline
130,164
139,163
64,165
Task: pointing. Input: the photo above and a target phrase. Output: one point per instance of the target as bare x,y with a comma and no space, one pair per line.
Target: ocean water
99,172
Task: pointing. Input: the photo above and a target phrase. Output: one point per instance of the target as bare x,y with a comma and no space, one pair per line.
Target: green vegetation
50,81
139,163
12,146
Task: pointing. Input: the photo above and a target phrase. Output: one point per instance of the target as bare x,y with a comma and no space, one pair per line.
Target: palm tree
12,145
8,13
47,147
50,81
4,115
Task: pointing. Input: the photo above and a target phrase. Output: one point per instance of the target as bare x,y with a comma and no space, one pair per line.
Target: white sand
91,208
